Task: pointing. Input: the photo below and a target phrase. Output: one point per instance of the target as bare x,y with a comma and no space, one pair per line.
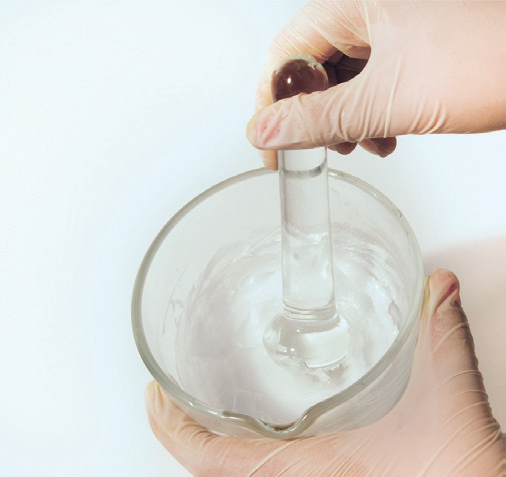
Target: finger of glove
292,39
206,454
445,356
199,450
381,147
443,417
441,322
349,112
319,29
451,343
269,159
470,435
388,98
344,148
309,32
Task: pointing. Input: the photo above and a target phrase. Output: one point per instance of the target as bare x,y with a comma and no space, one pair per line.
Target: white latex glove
443,425
433,67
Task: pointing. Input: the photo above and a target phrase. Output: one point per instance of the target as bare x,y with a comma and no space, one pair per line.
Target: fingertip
251,133
344,148
269,159
444,287
269,156
149,391
184,438
164,416
381,146
151,395
448,325
386,145
441,302
168,422
163,413
264,129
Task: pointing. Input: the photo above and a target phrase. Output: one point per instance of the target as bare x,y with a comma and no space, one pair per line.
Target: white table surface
113,114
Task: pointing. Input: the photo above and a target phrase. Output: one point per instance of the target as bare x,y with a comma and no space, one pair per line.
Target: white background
113,114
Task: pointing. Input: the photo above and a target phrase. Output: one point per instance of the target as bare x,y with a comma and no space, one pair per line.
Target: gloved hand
443,425
430,67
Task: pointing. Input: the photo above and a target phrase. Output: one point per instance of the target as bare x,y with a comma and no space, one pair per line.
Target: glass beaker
211,280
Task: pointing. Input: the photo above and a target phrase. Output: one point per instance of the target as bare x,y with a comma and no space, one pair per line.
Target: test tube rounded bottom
307,345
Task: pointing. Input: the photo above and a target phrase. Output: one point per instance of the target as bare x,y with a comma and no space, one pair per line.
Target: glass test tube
309,334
